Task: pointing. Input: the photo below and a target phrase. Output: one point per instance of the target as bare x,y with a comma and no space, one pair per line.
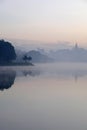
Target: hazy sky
44,20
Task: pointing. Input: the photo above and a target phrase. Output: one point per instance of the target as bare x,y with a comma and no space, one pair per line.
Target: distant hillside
75,54
38,57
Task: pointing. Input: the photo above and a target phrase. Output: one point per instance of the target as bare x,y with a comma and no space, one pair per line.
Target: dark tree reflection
7,79
32,73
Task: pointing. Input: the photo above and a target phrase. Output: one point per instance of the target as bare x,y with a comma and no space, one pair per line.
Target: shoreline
17,64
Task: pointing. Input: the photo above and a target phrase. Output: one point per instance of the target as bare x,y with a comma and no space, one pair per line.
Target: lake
44,97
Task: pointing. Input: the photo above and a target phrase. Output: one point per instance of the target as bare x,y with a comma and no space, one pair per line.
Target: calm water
44,97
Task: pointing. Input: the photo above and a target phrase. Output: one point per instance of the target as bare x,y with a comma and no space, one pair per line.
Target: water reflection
7,79
43,98
8,75
31,73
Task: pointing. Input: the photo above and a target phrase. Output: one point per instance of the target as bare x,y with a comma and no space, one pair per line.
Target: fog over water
67,70
44,97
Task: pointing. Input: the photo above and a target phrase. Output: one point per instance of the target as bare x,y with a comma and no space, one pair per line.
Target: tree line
8,54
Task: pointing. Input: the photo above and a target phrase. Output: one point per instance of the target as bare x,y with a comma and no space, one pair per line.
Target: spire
76,46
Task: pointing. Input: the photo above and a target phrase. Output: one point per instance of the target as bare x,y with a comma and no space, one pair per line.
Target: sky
44,20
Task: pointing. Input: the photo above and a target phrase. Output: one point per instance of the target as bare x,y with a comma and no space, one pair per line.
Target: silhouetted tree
26,58
29,58
7,52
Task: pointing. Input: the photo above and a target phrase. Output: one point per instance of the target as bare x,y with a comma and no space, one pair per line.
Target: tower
76,46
